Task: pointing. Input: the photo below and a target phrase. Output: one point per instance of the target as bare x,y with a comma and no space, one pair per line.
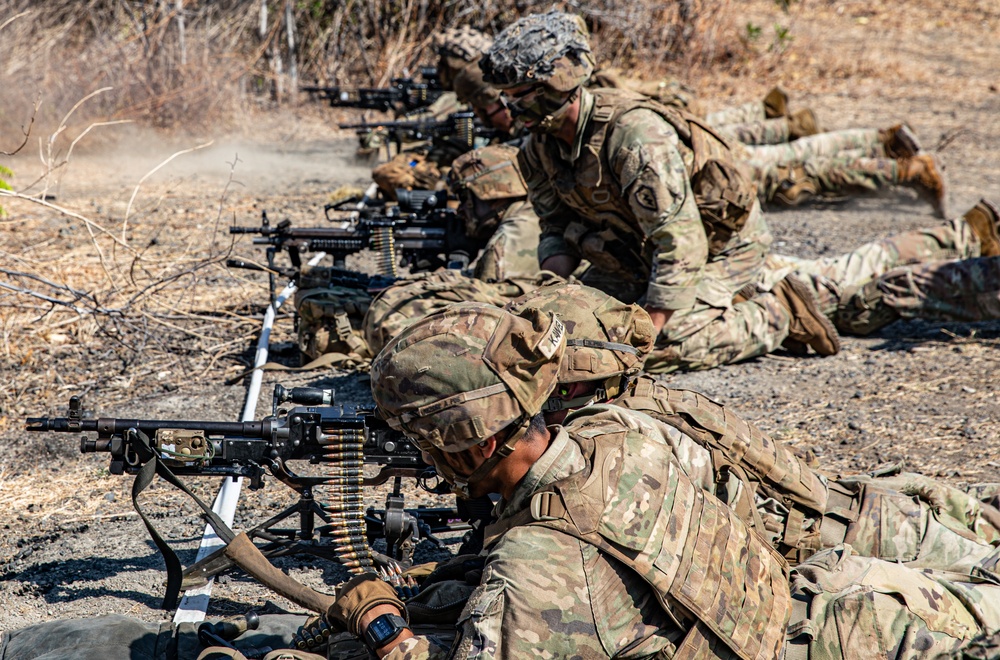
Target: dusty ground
920,392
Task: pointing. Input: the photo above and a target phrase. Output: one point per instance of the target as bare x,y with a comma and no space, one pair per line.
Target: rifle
459,129
340,438
403,95
420,232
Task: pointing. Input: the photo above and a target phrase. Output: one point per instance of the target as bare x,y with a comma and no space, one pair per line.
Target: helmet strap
460,486
553,121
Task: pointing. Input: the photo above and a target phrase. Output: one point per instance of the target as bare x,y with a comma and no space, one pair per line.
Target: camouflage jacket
621,197
512,250
549,593
891,515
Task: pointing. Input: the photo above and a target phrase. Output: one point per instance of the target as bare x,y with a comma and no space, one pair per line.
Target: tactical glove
359,595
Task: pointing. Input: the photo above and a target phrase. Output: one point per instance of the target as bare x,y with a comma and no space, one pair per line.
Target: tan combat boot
802,123
776,103
808,325
899,141
926,174
984,218
795,186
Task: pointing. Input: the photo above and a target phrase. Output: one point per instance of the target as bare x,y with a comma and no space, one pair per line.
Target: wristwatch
383,630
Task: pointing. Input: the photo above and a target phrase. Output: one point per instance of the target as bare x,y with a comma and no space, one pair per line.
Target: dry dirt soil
924,393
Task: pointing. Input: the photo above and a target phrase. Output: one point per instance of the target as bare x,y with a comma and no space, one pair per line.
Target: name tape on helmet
550,343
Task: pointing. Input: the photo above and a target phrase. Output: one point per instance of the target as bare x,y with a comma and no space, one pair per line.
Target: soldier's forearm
375,613
659,317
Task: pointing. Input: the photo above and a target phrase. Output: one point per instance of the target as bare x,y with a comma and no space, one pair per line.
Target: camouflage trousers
718,332
714,331
915,520
741,114
917,271
967,290
823,174
760,132
854,142
846,606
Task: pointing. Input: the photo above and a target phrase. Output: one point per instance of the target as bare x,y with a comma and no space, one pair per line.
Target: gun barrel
113,426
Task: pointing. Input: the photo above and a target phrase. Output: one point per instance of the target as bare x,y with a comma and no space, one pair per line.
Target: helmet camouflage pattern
552,48
457,49
605,337
462,375
472,89
465,43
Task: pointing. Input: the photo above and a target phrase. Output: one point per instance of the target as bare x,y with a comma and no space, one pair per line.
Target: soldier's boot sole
926,174
808,325
776,103
793,193
802,123
984,218
900,141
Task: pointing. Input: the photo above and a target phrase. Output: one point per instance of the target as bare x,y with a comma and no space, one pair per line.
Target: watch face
383,630
382,627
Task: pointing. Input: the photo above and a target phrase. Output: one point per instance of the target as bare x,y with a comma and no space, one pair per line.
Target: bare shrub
195,63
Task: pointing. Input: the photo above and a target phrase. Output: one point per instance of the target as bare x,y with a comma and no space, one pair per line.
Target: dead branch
26,131
135,191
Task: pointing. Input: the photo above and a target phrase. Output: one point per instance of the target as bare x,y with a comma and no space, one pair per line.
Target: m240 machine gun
340,439
402,96
421,232
458,130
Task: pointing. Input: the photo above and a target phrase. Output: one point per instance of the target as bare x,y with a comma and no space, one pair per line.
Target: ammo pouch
725,198
329,320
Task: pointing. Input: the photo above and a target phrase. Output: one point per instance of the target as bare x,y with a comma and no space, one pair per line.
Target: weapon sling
239,548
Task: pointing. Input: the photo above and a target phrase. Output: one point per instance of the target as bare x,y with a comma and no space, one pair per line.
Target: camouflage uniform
830,277
409,301
661,246
830,162
837,282
512,251
492,196
894,515
423,166
856,607
966,291
539,594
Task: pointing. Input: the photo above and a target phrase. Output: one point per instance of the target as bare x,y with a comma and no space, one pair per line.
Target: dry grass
143,292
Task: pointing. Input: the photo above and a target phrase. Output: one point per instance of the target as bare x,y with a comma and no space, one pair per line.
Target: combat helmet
470,88
546,56
457,49
606,339
552,49
491,174
464,374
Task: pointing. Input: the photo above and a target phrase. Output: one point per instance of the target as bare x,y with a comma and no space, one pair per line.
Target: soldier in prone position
893,515
604,547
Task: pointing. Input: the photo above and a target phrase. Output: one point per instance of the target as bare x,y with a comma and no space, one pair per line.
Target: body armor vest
741,450
709,572
609,231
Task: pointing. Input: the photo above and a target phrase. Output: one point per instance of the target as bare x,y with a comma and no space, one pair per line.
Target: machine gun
459,130
420,232
341,439
402,96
